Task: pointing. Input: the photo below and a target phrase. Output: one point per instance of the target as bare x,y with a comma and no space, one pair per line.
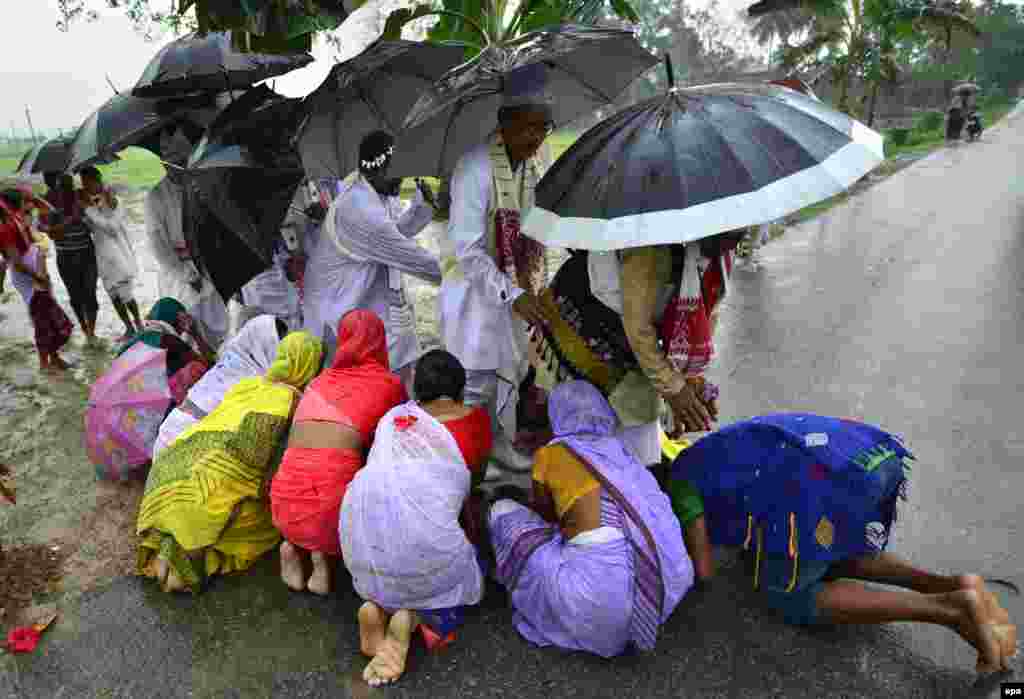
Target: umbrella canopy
965,88
696,162
577,69
839,479
244,174
209,63
795,84
125,121
126,407
373,91
228,259
49,156
52,156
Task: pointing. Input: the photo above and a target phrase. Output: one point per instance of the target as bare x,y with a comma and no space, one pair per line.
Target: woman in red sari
332,431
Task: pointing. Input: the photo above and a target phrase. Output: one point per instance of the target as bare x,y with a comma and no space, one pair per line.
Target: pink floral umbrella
126,407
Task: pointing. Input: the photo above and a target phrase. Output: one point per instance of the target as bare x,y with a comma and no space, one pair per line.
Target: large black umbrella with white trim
696,162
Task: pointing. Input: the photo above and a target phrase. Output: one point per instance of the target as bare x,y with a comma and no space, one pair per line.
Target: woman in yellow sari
205,509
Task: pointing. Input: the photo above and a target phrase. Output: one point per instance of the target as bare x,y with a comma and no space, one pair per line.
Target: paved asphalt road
902,307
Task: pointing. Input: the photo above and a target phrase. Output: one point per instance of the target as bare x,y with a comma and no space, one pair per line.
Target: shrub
899,137
930,121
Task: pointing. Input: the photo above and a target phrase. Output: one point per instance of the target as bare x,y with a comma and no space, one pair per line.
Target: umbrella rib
447,130
374,107
581,81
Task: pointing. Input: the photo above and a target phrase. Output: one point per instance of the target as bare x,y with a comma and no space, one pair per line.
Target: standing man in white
180,279
486,299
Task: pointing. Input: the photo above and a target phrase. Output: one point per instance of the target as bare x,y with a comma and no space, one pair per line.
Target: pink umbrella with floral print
126,407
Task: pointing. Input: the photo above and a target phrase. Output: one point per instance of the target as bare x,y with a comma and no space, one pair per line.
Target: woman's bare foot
291,567
974,627
320,581
373,625
174,583
389,662
162,569
56,362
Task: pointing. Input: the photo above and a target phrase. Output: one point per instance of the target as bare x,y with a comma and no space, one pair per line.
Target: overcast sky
62,77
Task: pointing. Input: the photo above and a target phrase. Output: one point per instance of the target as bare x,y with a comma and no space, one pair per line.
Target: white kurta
115,258
363,249
477,322
271,293
165,229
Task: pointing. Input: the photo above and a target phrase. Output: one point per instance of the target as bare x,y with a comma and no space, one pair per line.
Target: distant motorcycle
973,126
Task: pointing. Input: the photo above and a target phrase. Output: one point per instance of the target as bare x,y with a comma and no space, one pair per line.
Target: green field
137,168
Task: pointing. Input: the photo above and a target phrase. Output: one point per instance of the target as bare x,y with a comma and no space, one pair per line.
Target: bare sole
373,625
975,628
388,663
291,568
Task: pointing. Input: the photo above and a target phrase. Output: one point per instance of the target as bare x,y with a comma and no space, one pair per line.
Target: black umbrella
227,259
49,156
696,162
244,174
375,90
579,69
209,63
125,121
52,156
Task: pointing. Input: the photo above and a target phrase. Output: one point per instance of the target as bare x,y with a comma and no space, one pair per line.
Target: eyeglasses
543,129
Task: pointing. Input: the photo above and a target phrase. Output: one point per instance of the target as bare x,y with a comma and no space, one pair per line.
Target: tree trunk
872,104
844,92
947,84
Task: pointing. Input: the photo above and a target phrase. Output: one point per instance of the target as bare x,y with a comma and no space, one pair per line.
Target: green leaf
625,11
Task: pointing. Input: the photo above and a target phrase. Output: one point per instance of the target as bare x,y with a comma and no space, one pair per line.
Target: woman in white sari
249,353
399,527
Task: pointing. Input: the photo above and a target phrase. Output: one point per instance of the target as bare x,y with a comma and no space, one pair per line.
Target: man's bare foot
997,615
373,625
389,662
291,567
320,581
974,627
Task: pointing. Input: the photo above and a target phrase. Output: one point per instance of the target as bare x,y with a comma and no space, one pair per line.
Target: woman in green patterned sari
205,510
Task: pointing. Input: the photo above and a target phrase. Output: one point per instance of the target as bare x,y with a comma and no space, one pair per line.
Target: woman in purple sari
597,562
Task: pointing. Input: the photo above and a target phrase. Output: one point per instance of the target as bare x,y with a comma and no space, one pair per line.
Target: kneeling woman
597,563
248,354
204,511
168,326
400,533
333,428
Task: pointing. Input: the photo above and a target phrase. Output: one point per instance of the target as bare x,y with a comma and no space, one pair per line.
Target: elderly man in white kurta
179,277
484,307
365,248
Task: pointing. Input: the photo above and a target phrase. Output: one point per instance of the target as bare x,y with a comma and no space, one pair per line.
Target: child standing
115,258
